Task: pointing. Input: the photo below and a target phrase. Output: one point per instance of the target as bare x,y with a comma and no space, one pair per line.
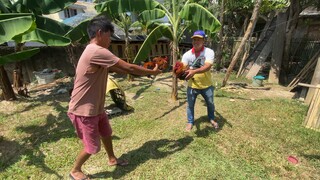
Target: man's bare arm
123,67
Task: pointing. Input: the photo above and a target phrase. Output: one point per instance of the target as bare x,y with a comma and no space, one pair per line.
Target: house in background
82,10
80,7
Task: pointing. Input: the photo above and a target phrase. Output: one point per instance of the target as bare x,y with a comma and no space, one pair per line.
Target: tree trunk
128,55
251,25
174,55
70,52
277,48
220,45
291,25
17,74
7,91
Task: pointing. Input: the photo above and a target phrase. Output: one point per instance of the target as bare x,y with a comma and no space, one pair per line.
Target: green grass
37,140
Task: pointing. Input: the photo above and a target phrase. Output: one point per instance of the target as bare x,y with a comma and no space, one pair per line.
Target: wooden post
315,80
312,120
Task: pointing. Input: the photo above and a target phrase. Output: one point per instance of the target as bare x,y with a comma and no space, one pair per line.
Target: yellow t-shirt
201,80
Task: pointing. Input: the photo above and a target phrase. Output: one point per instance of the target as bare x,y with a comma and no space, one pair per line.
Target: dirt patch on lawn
266,91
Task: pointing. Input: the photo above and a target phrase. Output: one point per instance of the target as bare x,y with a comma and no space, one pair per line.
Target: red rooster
149,65
180,70
162,63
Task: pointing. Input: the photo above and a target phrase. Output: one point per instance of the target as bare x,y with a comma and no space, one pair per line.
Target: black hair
99,23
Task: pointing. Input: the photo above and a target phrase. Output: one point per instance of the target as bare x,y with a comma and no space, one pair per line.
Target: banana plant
124,21
182,15
9,31
22,21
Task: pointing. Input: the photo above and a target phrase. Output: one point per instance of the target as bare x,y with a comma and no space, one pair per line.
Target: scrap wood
257,88
309,85
305,72
312,119
238,85
43,86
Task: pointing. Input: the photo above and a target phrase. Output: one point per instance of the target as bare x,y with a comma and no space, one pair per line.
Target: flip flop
119,162
72,178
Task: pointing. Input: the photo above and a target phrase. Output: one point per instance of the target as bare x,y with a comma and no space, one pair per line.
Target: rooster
180,70
162,63
149,65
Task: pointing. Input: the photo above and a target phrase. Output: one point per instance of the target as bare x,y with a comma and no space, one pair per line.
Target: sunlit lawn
37,140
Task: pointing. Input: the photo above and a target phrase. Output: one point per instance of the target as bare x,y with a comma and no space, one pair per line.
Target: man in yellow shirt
199,59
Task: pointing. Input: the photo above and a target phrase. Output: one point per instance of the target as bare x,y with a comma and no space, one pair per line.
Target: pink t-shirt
88,95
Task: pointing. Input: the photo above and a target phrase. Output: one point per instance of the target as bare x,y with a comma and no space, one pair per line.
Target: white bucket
44,78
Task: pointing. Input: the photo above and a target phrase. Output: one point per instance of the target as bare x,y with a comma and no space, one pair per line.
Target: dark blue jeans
207,94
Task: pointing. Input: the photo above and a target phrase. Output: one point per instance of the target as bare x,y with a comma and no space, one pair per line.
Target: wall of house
313,32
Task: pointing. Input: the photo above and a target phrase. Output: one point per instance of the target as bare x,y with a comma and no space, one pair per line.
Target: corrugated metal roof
77,19
310,11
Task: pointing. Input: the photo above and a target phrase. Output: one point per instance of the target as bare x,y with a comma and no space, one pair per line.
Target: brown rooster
180,70
149,65
162,63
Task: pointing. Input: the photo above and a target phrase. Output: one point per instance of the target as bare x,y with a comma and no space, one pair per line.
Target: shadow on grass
209,129
39,101
311,156
144,85
55,128
8,151
156,149
170,110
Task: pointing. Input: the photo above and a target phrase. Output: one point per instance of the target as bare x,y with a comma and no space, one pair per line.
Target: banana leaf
53,6
11,27
79,33
45,37
13,15
52,26
18,56
41,6
121,6
200,16
4,6
151,15
158,32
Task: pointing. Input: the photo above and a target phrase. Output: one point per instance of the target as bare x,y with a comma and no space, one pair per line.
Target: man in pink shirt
86,107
